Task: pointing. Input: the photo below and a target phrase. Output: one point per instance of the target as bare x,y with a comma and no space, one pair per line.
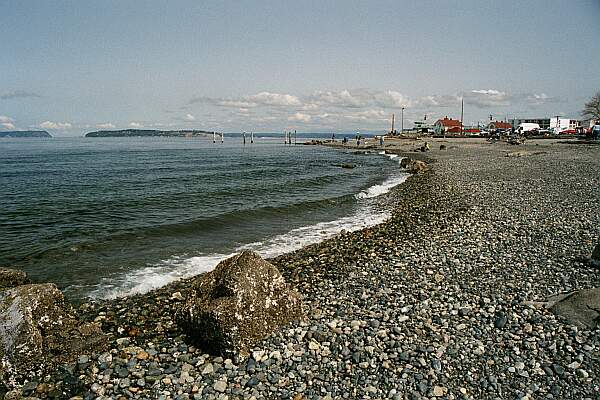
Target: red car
572,131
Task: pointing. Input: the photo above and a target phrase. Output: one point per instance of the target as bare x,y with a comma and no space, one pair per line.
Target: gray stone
582,307
220,386
38,327
595,259
240,302
501,321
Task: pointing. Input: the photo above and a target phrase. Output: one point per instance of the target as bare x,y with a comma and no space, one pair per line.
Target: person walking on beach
596,130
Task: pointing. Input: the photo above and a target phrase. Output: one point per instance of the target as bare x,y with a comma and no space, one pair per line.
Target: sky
71,67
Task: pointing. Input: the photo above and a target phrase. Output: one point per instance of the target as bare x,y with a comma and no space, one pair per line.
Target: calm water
110,217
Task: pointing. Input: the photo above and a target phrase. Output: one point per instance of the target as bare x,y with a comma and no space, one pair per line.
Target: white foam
167,271
383,188
153,277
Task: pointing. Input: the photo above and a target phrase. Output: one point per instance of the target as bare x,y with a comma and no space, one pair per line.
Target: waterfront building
499,126
447,125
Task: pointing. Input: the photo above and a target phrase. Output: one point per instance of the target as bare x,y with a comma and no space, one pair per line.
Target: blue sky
76,66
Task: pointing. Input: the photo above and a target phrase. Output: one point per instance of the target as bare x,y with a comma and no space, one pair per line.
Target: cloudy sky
74,66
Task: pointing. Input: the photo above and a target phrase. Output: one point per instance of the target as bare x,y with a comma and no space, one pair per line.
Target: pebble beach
444,300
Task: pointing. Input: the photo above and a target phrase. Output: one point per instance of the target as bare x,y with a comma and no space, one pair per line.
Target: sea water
109,217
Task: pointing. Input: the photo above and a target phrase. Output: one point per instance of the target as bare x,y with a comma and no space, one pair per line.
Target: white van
528,127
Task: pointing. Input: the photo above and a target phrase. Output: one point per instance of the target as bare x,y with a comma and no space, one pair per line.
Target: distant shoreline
24,134
149,133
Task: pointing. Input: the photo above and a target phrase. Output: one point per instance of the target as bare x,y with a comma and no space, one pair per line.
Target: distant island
147,132
24,134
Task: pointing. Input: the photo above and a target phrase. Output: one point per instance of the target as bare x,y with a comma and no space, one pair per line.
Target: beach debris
10,278
580,307
414,166
242,300
39,329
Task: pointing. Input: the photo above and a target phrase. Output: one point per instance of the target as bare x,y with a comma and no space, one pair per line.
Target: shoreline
409,308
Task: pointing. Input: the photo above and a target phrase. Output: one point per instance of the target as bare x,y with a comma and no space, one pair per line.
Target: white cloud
438,101
275,99
236,103
310,107
107,125
256,100
392,99
55,125
535,99
300,117
189,117
343,99
368,116
135,125
371,108
7,122
484,98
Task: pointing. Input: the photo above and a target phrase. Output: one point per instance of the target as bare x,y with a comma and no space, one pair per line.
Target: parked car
571,131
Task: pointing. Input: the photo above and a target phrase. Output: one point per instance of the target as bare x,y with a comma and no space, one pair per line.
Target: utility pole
402,123
462,110
392,131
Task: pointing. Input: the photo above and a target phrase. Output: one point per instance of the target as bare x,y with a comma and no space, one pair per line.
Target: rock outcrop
414,166
10,278
581,307
241,301
38,329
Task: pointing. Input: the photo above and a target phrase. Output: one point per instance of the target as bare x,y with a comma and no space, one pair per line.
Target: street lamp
402,122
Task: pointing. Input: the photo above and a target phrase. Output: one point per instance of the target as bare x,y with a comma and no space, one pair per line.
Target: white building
551,123
558,124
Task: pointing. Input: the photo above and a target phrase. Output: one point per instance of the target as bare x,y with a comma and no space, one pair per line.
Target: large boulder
414,166
241,301
595,259
38,330
11,277
581,307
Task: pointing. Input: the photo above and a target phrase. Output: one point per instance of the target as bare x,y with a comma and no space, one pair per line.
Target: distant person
596,130
333,137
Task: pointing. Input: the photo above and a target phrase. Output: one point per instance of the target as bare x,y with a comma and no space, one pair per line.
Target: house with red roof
499,126
447,125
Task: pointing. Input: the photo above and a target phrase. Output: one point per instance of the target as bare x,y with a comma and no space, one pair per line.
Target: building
422,127
499,126
447,125
558,124
544,123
